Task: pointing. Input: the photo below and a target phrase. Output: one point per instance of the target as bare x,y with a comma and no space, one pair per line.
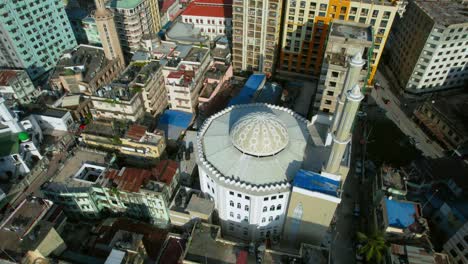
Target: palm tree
374,246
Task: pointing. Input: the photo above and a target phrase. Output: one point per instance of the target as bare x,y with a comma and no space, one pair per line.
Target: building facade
345,40
457,245
133,20
430,55
256,34
214,18
307,23
34,35
17,87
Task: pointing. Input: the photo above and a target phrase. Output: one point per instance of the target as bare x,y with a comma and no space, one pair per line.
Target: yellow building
136,142
306,27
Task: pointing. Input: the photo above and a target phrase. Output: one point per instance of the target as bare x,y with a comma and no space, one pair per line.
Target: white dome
259,134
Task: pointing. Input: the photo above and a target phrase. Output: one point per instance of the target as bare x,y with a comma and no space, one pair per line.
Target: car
357,209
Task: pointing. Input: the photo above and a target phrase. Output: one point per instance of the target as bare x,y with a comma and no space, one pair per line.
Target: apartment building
33,35
16,87
256,34
132,141
133,20
214,18
345,41
88,188
457,245
427,47
307,23
84,69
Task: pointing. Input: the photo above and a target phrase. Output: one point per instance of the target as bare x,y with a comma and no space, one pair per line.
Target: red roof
165,5
129,179
6,76
209,8
136,132
175,74
166,170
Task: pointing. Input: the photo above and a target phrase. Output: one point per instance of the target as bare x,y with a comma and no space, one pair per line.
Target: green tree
373,246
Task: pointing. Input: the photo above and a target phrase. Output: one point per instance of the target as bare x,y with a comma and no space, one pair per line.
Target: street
401,119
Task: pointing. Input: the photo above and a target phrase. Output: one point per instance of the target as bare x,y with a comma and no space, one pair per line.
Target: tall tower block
108,33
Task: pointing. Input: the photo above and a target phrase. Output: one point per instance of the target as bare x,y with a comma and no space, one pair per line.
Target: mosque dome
259,134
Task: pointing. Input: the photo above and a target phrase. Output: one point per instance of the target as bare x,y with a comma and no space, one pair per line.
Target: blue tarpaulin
247,93
400,214
315,182
173,122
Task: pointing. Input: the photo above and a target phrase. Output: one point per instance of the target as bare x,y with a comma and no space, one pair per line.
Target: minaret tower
352,77
342,135
107,32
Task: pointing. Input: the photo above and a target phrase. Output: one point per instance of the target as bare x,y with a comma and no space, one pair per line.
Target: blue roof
173,122
400,214
315,182
248,91
269,94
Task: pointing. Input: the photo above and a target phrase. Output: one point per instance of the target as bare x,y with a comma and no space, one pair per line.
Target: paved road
406,125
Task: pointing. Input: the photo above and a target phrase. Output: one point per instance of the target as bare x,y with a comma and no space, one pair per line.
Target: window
265,209
265,199
460,247
247,197
231,203
273,197
453,253
231,214
238,216
239,205
280,196
277,218
335,74
231,193
246,218
278,207
328,102
270,218
272,208
246,208
239,195
332,84
263,220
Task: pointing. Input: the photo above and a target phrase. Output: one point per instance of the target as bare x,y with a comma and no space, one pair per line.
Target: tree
374,246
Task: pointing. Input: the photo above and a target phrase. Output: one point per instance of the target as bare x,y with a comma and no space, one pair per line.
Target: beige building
133,20
345,40
457,245
137,141
129,107
256,34
306,27
84,70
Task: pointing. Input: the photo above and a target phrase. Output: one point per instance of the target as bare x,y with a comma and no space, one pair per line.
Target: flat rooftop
206,247
185,32
453,109
401,214
445,12
6,76
124,4
317,183
51,112
65,178
351,30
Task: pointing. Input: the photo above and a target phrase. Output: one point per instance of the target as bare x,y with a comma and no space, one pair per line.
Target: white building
51,120
213,18
427,47
16,85
247,157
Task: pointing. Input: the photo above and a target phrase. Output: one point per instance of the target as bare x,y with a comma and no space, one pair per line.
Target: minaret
342,135
352,78
107,32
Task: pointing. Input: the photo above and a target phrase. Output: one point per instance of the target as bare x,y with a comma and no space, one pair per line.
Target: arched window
278,207
272,208
277,218
238,216
239,205
231,203
270,218
246,208
263,220
231,214
265,209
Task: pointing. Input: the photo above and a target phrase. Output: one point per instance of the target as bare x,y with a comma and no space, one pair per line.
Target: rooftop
51,112
174,122
254,83
351,30
402,214
393,181
207,247
453,110
9,143
6,76
186,33
445,12
65,178
209,9
88,60
200,205
406,254
315,182
124,4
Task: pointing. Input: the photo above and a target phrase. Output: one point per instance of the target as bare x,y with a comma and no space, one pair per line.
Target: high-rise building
134,19
345,39
306,25
256,34
106,27
427,47
33,35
